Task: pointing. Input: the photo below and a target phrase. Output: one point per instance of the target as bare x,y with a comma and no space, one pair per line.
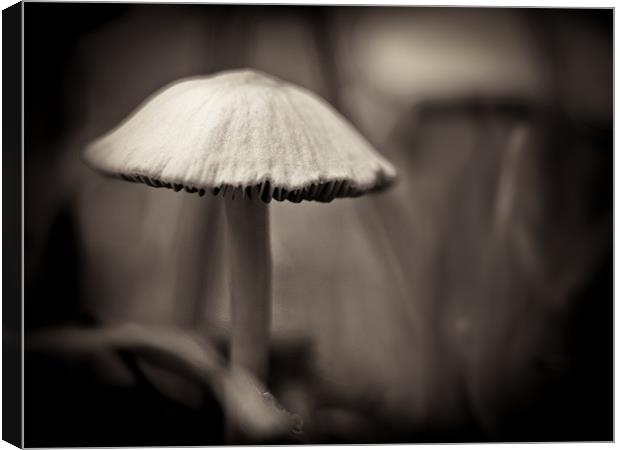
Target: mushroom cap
241,133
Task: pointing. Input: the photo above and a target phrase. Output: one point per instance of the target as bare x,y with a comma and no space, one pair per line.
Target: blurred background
472,302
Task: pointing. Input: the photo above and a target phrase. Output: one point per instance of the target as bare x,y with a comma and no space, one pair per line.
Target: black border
12,224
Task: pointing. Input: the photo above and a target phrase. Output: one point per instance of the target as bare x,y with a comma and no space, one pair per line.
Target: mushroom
249,138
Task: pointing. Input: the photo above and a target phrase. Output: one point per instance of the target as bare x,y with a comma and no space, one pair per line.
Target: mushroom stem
250,284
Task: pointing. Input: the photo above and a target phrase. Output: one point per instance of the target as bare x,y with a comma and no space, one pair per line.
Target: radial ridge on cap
240,132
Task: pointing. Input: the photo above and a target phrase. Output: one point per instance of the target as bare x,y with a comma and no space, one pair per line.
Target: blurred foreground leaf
254,414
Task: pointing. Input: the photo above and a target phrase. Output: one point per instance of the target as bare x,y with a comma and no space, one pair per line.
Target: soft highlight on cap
242,133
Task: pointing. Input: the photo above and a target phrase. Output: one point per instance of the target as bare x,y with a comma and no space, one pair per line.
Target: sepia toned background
471,302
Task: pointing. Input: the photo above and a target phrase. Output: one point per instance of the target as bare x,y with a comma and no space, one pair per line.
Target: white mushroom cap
245,133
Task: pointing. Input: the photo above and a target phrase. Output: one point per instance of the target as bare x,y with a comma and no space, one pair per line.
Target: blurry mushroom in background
250,138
